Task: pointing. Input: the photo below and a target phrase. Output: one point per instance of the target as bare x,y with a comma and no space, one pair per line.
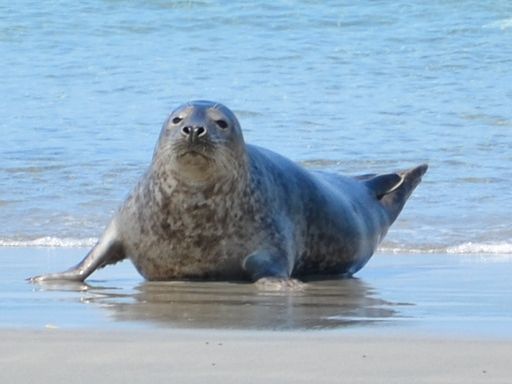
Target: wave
497,248
469,247
49,242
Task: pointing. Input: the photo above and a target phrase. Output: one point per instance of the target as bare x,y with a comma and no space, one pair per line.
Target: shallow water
438,294
348,87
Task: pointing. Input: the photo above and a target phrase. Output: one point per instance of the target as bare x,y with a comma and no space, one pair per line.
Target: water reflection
220,305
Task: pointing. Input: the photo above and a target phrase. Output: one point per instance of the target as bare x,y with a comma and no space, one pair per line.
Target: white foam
49,242
404,249
496,248
491,248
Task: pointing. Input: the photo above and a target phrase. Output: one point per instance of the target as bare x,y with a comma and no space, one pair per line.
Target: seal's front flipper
269,271
107,251
265,263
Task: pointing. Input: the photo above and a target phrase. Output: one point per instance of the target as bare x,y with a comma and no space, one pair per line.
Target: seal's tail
394,189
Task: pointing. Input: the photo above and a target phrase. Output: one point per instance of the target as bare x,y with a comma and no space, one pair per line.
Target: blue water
351,87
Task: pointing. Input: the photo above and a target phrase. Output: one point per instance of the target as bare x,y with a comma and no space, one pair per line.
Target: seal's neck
196,178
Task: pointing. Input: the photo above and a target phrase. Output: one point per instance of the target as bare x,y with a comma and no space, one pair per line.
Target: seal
212,207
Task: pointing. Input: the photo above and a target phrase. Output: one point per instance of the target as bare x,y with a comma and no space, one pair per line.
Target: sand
56,356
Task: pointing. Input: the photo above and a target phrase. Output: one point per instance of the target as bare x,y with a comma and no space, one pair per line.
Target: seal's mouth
193,154
199,151
193,164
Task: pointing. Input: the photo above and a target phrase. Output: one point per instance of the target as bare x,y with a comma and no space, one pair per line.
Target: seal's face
201,140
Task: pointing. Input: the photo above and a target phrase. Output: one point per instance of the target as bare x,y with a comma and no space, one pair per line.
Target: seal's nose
193,132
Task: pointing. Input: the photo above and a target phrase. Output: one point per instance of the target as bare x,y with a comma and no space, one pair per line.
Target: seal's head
201,141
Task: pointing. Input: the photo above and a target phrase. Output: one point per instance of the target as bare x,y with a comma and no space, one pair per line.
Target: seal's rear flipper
383,184
394,189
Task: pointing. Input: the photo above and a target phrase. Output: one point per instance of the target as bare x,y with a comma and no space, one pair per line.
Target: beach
248,357
404,318
351,88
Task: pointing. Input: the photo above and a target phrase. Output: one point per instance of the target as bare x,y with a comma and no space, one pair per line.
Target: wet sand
405,318
55,356
460,295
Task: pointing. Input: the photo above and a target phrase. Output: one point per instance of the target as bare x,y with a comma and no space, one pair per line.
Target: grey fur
212,207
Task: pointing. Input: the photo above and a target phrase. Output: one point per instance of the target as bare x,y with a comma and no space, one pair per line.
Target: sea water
348,87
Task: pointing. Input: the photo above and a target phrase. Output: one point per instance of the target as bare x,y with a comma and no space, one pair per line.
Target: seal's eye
222,123
176,120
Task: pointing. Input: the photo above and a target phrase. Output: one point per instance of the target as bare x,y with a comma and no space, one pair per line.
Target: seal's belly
189,258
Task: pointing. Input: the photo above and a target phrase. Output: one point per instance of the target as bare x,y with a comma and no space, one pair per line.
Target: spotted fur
212,207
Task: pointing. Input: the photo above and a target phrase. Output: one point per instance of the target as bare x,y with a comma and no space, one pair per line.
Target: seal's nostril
200,131
186,131
193,132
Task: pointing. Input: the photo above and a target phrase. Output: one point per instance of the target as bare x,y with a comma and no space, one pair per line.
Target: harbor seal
212,207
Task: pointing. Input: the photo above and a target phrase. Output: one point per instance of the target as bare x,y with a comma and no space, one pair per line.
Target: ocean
348,87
